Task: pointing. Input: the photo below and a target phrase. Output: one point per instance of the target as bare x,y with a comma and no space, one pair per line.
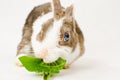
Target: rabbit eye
66,37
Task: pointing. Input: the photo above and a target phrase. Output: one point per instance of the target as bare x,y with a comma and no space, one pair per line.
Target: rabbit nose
43,53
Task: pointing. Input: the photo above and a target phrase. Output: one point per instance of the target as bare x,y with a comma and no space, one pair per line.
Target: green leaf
33,64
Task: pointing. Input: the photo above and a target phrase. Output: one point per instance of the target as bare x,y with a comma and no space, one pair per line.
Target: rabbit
59,36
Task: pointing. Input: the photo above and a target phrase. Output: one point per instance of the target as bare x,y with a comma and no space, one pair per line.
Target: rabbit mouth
51,55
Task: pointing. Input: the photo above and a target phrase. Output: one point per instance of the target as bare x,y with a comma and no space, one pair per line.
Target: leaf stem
46,76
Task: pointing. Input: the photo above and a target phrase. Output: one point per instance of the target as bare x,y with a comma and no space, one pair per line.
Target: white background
100,23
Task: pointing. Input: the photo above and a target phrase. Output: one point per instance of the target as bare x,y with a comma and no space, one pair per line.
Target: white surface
100,23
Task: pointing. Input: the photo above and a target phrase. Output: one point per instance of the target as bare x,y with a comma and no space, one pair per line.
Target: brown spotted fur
45,27
28,30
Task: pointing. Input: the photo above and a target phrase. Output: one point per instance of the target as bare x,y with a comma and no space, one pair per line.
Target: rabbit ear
58,10
69,13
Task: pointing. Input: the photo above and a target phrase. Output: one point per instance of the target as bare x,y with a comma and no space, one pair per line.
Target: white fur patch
51,39
37,28
74,55
50,42
52,56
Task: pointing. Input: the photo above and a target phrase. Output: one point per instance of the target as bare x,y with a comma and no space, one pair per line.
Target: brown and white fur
44,34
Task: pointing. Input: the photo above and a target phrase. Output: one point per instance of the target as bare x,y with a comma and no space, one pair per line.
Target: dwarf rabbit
59,36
